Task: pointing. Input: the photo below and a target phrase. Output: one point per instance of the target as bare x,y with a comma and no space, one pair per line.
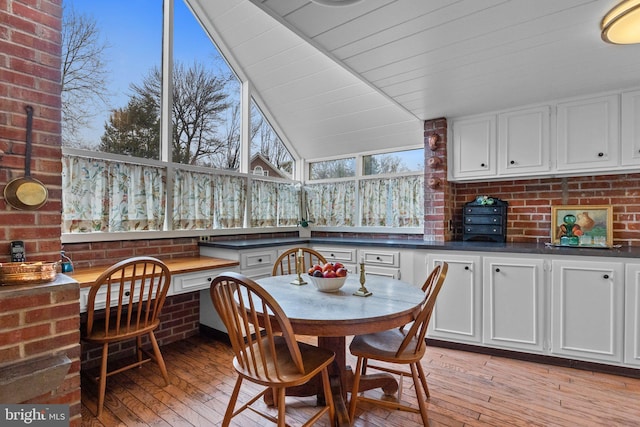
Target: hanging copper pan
26,193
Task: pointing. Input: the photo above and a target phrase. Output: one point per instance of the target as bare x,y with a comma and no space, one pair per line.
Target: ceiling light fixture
622,24
336,2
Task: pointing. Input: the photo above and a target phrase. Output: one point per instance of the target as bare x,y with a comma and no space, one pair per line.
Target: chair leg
102,380
328,396
354,391
232,403
421,401
423,378
159,359
139,347
281,408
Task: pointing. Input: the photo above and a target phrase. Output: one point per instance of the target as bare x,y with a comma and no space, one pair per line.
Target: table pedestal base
341,381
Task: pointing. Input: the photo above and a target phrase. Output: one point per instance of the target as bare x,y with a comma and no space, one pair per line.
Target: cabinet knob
606,276
497,270
378,258
127,293
466,267
209,279
259,259
513,162
482,165
600,154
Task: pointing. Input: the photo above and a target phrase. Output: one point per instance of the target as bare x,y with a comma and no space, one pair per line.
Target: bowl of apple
329,277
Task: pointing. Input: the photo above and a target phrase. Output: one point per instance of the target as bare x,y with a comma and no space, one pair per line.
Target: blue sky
133,30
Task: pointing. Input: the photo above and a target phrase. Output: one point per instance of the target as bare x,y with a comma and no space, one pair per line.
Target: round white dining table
332,316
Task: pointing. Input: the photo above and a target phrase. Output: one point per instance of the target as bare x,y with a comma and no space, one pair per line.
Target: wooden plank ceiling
360,78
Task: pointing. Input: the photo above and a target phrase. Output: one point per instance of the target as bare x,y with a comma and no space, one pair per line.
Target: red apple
341,272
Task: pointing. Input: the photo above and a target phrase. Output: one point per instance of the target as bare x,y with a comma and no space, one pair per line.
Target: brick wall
38,321
30,75
530,201
180,319
437,190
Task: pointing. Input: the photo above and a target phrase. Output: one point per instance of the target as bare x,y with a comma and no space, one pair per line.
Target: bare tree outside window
84,73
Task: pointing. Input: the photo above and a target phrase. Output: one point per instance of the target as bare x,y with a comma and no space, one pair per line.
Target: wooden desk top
334,314
86,276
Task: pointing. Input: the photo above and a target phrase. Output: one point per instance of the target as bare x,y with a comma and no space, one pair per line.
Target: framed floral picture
582,225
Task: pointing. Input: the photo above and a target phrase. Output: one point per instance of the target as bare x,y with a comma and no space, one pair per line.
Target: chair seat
99,334
314,359
384,345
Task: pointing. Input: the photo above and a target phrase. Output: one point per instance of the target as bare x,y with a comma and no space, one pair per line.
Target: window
328,169
395,162
267,147
122,168
106,56
388,192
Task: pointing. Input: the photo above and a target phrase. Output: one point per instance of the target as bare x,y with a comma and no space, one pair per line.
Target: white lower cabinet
632,315
587,300
513,303
457,313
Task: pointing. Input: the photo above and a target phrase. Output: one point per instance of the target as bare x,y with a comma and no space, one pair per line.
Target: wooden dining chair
132,293
265,348
286,262
397,347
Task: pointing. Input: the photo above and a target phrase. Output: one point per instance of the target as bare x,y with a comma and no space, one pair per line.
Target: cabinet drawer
483,210
483,219
343,255
482,229
190,282
381,258
257,259
101,296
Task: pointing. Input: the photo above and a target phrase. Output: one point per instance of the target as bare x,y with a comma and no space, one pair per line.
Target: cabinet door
523,141
587,302
513,303
632,315
474,145
457,313
630,128
588,134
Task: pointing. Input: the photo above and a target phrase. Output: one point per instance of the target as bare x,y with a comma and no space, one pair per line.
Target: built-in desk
188,274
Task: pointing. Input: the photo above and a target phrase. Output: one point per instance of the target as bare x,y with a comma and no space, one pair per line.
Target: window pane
396,162
105,52
332,169
269,156
206,98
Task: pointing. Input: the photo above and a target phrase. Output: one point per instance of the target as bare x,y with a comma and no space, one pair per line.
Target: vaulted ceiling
360,78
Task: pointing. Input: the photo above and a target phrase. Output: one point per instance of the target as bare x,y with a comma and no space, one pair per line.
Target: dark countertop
487,247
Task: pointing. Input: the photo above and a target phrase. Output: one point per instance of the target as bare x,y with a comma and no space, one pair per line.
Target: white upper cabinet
630,128
523,142
588,134
474,145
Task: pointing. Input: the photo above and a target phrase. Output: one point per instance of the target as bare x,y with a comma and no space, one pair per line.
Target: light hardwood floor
467,389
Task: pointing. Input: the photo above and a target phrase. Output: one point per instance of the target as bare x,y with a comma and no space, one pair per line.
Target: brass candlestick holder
362,292
299,281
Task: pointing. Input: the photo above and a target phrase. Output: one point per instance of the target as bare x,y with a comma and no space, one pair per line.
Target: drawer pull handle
378,258
606,276
601,154
333,256
259,259
209,279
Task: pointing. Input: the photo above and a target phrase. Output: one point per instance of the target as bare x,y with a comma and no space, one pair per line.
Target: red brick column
438,195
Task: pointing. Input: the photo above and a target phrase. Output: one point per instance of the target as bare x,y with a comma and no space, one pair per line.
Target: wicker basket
20,273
